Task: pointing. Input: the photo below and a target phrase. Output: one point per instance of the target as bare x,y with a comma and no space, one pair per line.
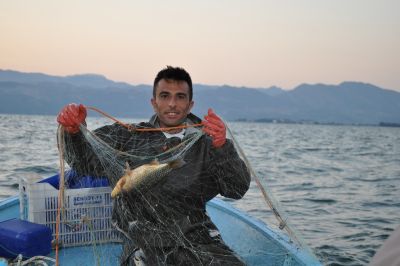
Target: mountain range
345,103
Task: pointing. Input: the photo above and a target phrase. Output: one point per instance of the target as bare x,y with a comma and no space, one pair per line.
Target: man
168,223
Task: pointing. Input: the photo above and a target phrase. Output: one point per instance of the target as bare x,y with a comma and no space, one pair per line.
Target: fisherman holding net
162,172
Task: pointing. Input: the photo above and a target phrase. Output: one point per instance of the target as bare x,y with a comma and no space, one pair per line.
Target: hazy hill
348,102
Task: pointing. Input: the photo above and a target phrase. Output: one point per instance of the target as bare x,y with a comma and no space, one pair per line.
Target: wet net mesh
171,207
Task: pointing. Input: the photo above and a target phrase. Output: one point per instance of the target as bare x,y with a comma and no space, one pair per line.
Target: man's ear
191,104
154,104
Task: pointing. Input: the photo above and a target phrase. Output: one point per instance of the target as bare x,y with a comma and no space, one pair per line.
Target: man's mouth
171,113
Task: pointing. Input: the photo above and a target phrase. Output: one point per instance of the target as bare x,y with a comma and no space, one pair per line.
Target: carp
144,176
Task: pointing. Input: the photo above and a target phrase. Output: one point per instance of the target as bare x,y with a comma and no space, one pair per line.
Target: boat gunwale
302,254
9,202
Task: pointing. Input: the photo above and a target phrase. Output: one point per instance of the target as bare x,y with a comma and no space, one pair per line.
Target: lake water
339,185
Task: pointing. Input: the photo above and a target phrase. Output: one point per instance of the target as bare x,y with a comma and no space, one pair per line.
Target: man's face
172,103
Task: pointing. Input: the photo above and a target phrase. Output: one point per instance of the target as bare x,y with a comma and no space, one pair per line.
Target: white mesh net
160,209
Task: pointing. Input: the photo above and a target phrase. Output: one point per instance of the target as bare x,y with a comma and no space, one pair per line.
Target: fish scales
144,176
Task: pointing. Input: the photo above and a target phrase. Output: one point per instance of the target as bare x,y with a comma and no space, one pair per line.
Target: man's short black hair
176,74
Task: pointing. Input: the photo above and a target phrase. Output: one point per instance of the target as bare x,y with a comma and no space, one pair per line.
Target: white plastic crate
85,219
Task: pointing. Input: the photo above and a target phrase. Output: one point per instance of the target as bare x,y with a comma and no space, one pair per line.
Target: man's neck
179,134
174,131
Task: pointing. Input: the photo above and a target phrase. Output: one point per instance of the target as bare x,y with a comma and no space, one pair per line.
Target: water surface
339,185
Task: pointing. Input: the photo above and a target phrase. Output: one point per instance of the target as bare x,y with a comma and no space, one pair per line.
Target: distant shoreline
246,120
287,121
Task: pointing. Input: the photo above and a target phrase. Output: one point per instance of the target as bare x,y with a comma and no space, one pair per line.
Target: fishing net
164,219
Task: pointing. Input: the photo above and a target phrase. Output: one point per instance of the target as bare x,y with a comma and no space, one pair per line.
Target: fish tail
118,187
115,192
176,163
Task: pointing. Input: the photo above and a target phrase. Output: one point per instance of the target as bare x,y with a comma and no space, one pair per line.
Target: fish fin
128,168
154,162
123,181
176,163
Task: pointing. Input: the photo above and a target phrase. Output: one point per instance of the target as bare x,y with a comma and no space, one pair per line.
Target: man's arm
230,171
78,153
80,156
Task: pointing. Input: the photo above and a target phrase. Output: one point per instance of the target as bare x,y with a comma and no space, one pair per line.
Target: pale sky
235,42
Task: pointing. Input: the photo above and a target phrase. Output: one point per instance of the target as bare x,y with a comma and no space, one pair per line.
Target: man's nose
172,102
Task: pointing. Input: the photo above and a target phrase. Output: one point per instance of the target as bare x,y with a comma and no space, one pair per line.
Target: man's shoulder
193,118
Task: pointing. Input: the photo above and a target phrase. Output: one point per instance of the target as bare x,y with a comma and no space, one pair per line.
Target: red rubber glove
71,116
214,127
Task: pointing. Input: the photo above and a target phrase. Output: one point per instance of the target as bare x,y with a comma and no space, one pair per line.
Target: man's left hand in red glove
215,127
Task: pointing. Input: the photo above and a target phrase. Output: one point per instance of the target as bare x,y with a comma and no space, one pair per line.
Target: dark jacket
172,213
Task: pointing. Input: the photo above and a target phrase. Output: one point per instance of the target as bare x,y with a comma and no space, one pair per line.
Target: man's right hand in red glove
71,116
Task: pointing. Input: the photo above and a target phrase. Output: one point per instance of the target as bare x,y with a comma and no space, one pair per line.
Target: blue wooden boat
252,239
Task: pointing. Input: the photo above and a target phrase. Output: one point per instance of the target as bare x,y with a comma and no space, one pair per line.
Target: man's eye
163,96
